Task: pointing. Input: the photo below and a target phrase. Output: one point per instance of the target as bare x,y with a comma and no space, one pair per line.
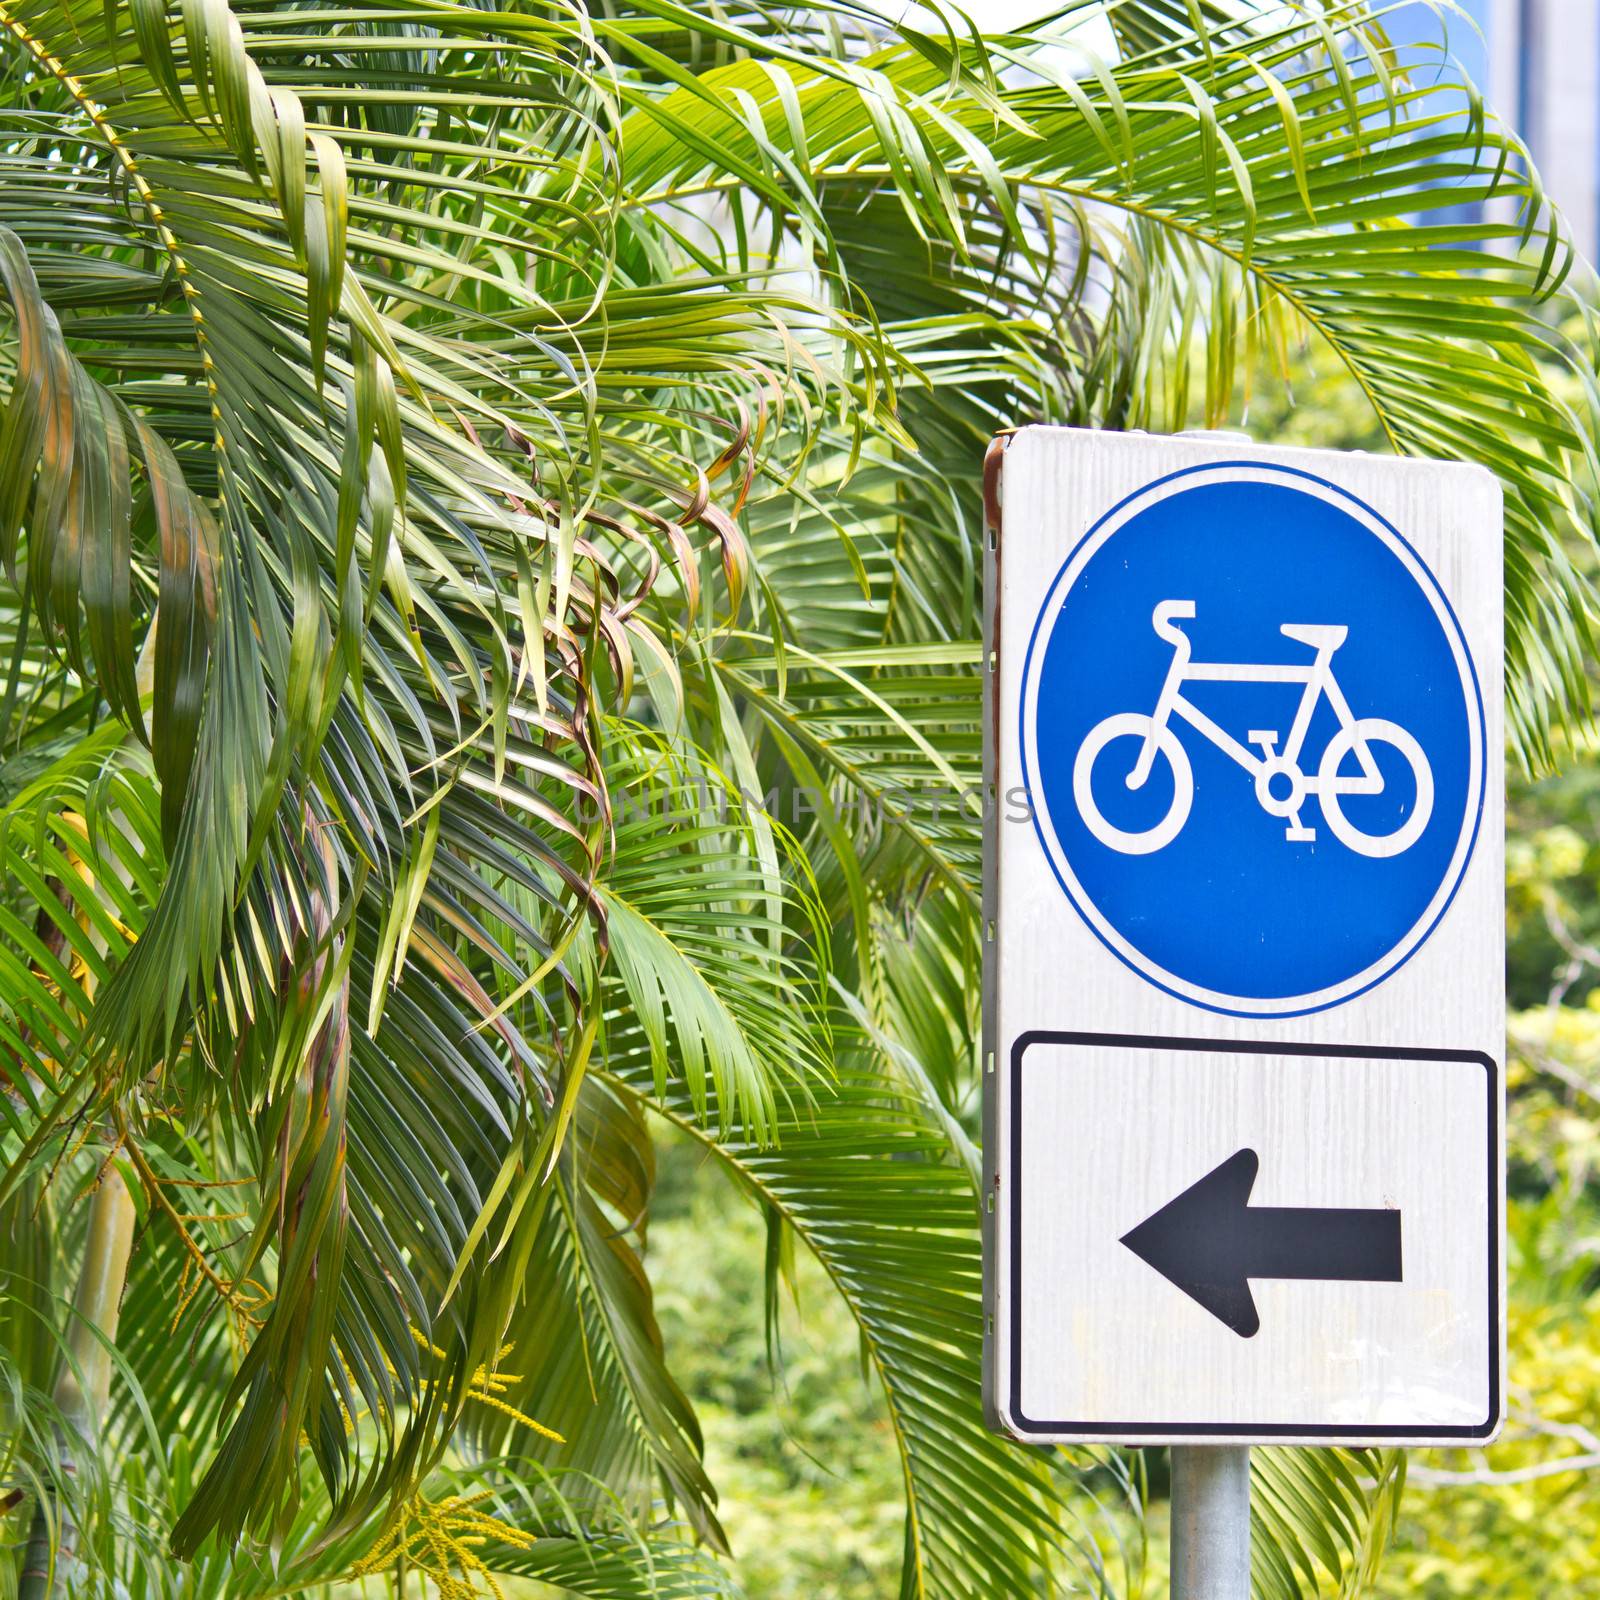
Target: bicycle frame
1317,676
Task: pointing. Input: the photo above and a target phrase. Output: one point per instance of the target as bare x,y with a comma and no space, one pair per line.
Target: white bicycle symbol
1281,786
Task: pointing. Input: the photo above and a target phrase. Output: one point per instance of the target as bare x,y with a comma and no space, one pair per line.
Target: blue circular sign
1253,739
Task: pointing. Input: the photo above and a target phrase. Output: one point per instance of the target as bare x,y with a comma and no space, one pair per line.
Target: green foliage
429,430
808,1448
1552,869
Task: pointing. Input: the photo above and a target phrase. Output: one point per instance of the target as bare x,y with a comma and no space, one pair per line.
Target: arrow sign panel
1210,1242
1293,1313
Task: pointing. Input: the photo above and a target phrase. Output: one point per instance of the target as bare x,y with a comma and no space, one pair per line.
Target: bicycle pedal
1299,835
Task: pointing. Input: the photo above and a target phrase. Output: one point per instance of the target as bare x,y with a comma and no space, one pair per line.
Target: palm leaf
397,403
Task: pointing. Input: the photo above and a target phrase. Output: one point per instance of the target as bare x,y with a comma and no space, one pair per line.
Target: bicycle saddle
1318,635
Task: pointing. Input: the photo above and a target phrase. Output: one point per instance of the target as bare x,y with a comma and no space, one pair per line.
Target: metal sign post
1244,998
1210,1522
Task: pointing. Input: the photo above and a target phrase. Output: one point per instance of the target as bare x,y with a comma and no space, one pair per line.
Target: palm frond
1319,1516
488,647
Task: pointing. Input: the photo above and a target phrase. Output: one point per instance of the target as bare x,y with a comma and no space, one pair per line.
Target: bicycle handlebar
1166,614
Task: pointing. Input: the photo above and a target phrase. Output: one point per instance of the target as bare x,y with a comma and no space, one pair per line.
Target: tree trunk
85,1380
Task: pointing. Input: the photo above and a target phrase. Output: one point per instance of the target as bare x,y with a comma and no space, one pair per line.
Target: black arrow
1211,1241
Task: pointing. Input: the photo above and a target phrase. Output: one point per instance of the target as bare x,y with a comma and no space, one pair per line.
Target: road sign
1244,996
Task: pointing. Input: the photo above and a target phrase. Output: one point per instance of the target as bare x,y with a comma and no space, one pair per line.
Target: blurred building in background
1537,63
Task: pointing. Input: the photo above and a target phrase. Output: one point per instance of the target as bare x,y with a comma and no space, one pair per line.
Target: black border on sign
1235,1430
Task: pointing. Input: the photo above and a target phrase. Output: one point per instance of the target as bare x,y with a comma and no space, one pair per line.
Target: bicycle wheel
1370,731
1132,725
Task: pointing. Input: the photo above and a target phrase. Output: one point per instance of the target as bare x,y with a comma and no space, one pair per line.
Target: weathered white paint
1111,1133
1109,1136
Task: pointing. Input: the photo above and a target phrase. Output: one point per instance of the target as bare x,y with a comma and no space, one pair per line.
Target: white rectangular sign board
1244,991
